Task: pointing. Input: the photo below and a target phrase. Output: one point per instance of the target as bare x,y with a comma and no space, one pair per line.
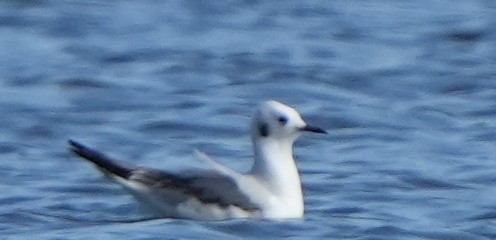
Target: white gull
272,189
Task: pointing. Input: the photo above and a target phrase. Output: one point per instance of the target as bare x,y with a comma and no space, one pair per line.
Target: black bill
309,128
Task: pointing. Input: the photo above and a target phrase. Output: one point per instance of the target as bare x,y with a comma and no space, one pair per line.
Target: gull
271,189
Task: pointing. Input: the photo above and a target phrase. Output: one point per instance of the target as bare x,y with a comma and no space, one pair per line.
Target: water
407,90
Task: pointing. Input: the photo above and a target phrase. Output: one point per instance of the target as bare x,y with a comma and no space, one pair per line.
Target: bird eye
282,120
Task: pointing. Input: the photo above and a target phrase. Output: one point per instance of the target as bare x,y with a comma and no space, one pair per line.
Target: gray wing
207,187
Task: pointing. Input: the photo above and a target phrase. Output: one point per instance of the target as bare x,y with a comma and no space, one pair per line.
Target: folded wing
207,187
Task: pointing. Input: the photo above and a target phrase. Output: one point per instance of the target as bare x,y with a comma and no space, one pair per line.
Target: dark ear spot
263,130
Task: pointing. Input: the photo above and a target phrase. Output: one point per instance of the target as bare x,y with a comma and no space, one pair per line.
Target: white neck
274,164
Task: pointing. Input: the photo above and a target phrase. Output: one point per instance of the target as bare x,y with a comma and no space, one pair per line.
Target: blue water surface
406,89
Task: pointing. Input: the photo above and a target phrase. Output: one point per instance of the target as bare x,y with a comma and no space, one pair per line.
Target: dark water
407,90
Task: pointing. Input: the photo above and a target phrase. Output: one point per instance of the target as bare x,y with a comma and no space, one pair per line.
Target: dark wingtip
73,143
76,147
105,163
83,151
